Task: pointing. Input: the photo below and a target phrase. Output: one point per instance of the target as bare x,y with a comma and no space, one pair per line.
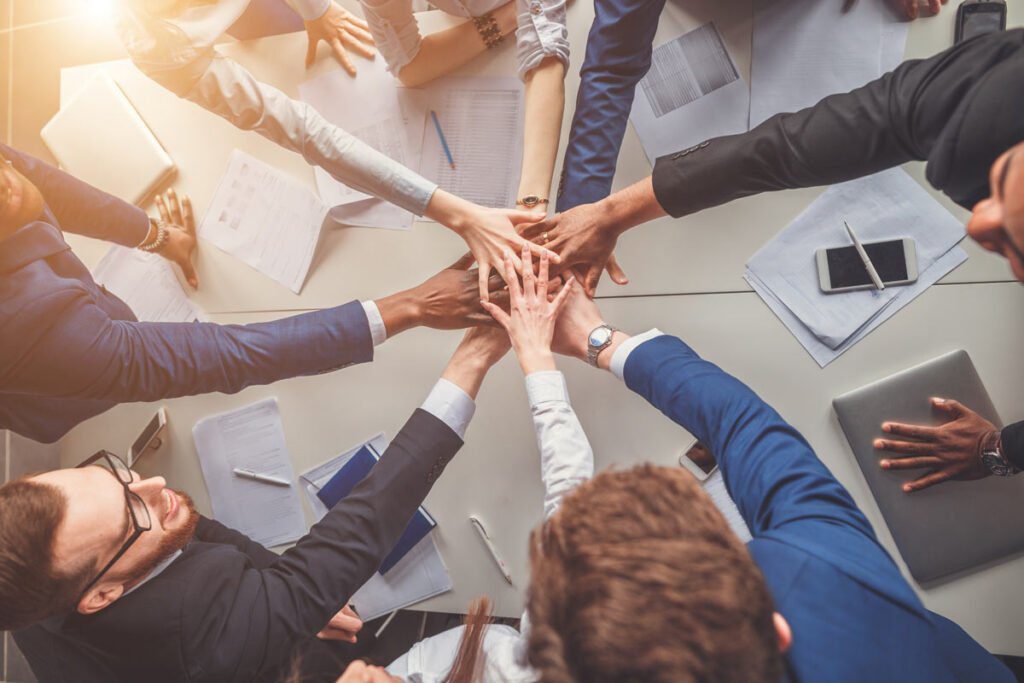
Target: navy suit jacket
854,617
70,350
228,610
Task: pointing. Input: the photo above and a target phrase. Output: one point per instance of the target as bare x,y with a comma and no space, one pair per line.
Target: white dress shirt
541,29
179,53
566,460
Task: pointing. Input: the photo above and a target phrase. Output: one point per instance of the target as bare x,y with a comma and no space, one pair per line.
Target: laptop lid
951,527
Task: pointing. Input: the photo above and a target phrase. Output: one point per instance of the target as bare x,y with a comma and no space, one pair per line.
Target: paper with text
266,218
252,438
147,283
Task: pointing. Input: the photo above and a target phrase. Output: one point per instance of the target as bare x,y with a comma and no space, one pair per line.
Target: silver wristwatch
993,459
599,339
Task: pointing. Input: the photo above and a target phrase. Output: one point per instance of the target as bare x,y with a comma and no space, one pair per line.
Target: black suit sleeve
270,611
902,116
1013,444
212,531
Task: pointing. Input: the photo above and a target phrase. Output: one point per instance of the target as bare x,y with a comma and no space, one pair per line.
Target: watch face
531,200
600,336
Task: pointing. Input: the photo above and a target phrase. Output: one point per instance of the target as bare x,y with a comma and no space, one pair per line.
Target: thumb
524,216
311,44
616,273
190,272
464,262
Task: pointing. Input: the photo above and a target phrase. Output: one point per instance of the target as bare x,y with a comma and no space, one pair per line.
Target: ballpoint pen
479,526
262,478
444,142
879,285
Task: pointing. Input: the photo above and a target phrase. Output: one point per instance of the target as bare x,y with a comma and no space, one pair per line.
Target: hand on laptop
340,29
950,451
180,221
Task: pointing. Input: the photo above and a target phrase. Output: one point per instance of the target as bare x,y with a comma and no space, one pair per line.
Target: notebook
951,527
99,138
353,472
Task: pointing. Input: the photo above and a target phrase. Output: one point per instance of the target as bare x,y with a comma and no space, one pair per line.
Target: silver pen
479,526
879,285
263,478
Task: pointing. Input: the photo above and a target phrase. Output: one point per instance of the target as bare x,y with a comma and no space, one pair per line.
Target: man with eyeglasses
115,577
69,349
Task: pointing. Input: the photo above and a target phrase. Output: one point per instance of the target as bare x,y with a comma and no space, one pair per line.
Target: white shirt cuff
451,405
311,9
378,332
544,386
618,364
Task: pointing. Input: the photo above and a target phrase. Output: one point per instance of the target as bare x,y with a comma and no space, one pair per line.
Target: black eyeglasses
138,513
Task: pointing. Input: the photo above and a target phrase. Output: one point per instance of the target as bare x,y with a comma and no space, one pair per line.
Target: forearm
466,371
442,52
212,531
545,103
630,207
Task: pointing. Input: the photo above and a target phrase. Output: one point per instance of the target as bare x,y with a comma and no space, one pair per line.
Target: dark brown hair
31,588
638,578
468,663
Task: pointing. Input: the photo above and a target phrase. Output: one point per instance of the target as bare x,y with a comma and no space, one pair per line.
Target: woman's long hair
469,660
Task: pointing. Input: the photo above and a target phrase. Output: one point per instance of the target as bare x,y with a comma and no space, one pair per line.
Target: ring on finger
544,238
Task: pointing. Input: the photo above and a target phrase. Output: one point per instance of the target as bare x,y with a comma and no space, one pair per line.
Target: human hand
951,450
343,626
583,240
450,300
531,321
360,672
339,28
179,219
579,317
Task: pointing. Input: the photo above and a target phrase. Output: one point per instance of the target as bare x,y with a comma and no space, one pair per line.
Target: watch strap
594,351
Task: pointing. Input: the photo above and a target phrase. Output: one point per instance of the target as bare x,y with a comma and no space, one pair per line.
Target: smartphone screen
980,19
145,437
846,269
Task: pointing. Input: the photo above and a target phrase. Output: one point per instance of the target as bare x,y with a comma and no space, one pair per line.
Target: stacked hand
340,29
343,626
180,222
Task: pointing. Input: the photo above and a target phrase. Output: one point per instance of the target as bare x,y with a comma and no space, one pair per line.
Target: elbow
410,79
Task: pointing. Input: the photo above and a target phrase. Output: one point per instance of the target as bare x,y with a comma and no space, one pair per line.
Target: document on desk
266,218
692,92
251,438
421,574
804,50
147,283
887,205
482,120
377,111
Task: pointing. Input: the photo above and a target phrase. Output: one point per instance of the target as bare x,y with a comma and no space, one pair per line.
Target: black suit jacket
229,609
959,111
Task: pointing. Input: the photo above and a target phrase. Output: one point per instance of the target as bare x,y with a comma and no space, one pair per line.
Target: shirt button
535,8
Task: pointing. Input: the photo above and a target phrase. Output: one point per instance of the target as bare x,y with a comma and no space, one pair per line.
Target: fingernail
938,400
879,443
886,427
885,464
907,488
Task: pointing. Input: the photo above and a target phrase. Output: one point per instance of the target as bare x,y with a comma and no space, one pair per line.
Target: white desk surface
496,473
700,253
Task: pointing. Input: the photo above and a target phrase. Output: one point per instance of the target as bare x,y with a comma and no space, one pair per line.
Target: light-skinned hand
578,319
340,29
343,626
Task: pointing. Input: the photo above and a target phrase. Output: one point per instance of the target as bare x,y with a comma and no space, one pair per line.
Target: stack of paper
251,438
885,206
146,282
692,92
419,575
266,218
804,50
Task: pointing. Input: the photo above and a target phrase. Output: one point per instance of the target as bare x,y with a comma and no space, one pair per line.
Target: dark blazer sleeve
79,207
1013,444
212,531
899,117
274,609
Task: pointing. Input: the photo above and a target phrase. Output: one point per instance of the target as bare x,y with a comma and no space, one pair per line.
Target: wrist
630,207
400,311
536,360
450,211
505,18
467,371
604,359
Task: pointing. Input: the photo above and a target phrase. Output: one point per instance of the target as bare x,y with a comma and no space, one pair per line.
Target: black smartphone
841,269
977,17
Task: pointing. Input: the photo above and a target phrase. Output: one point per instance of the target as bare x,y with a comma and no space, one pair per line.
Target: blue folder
353,472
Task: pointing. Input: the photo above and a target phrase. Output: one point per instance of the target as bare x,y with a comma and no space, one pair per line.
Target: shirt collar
157,570
35,241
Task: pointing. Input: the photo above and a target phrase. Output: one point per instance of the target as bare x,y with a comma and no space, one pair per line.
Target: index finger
913,431
512,280
175,206
927,480
188,216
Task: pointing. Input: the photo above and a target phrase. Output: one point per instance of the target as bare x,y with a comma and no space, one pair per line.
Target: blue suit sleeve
79,351
618,56
79,207
770,470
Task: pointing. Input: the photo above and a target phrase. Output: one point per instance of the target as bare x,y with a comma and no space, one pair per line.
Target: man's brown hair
31,589
638,578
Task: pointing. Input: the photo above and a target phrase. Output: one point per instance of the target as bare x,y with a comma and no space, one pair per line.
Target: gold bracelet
488,29
162,235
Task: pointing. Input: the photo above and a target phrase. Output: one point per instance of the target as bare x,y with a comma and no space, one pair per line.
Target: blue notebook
353,472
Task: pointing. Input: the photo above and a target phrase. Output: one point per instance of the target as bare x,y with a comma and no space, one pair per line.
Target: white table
496,473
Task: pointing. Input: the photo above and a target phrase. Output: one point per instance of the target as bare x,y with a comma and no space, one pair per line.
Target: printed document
251,438
692,92
147,283
266,218
421,574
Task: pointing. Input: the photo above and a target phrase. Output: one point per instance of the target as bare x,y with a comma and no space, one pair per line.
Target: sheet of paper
147,283
266,218
692,92
804,50
823,354
388,118
252,438
884,206
482,120
421,574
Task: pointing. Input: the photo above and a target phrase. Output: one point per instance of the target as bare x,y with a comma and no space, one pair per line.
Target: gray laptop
951,527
